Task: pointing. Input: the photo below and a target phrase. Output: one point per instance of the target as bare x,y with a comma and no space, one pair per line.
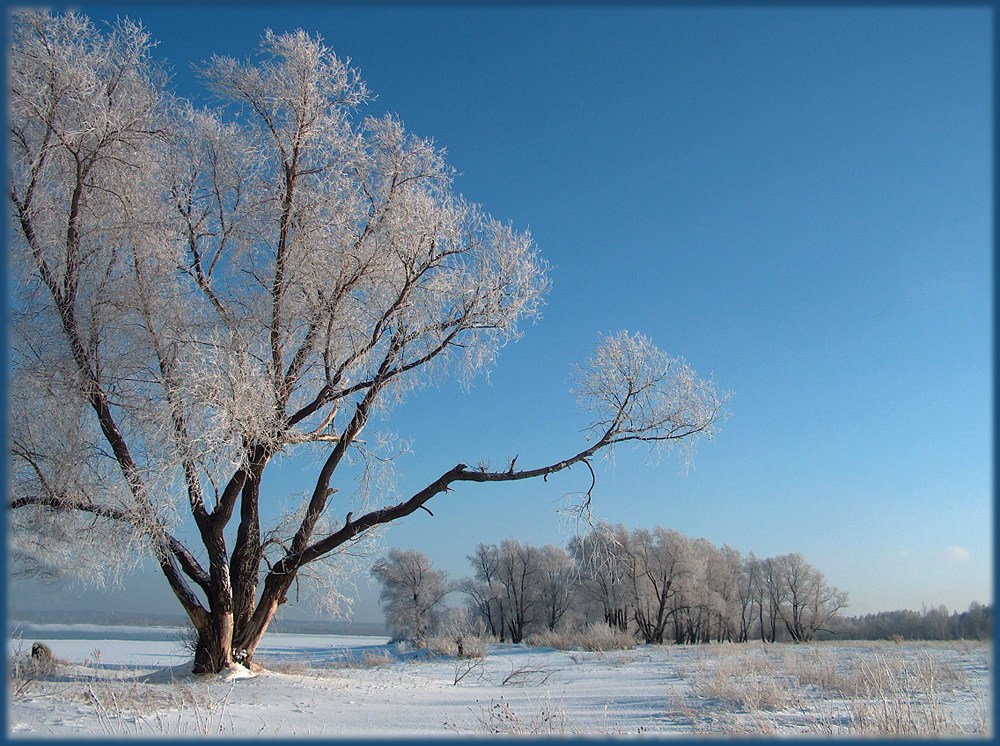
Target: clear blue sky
797,200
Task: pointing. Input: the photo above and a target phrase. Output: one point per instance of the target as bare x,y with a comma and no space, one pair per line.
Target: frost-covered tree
767,582
199,293
660,562
556,585
806,605
519,573
483,590
602,566
411,594
506,588
519,588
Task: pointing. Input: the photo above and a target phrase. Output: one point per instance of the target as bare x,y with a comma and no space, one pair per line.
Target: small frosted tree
201,292
411,594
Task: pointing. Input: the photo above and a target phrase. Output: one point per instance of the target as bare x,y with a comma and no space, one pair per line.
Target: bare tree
768,597
743,612
519,572
518,587
700,600
412,592
484,589
198,294
556,584
807,604
725,568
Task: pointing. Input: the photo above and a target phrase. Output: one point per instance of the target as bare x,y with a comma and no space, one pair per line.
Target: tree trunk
214,648
249,635
247,551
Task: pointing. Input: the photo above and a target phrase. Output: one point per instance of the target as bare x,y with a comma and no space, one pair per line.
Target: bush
470,646
459,635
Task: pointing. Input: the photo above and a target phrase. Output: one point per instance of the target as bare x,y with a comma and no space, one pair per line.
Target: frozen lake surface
113,681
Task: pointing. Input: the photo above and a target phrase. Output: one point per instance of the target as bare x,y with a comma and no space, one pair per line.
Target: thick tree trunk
214,648
220,643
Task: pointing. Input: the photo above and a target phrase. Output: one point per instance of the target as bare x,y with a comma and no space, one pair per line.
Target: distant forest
936,623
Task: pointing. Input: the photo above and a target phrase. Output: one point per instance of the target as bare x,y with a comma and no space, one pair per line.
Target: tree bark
214,648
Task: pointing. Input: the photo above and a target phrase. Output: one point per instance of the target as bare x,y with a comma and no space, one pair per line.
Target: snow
344,686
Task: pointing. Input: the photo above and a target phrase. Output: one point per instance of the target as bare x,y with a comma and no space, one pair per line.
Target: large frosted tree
198,293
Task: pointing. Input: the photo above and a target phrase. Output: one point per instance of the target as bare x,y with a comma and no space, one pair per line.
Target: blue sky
797,200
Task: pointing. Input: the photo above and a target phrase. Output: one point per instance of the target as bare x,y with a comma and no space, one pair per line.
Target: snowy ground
336,686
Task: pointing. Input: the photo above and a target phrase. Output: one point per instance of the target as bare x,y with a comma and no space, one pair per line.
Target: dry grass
898,697
367,659
879,692
124,704
747,681
135,708
813,667
24,673
595,637
731,724
288,667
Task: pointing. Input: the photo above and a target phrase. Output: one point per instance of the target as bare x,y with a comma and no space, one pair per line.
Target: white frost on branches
636,392
201,292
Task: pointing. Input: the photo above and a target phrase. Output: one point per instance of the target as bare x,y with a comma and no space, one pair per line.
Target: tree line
935,623
658,586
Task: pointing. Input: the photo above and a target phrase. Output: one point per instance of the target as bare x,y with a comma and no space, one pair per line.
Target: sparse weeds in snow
501,718
884,693
460,642
288,667
736,724
128,705
921,673
368,659
813,667
376,658
122,701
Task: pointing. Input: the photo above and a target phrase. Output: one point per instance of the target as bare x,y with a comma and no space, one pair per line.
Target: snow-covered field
339,686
